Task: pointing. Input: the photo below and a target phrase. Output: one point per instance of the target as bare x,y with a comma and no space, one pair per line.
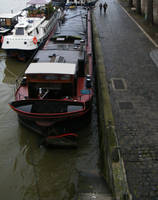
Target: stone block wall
144,8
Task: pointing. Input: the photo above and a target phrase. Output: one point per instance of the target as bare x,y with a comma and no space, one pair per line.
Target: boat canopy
51,68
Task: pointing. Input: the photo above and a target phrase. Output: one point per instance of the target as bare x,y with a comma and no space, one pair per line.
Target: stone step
94,196
92,186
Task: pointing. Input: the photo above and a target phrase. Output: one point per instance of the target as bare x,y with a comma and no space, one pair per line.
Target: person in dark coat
100,6
105,7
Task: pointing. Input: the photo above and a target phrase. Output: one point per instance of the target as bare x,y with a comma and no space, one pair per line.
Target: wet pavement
131,66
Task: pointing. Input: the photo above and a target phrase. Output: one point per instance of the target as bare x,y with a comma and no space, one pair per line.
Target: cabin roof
70,54
9,15
32,22
21,25
51,68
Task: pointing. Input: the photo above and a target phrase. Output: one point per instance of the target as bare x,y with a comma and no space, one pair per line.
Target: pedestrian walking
105,5
100,6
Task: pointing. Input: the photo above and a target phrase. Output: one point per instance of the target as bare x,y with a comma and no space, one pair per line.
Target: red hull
41,115
31,114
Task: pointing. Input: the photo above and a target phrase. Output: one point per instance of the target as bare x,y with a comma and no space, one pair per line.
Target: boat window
2,22
51,77
19,31
37,30
65,77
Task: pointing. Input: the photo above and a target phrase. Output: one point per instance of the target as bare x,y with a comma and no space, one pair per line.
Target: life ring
35,40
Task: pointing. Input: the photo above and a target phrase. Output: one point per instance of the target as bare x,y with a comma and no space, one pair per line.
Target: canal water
29,171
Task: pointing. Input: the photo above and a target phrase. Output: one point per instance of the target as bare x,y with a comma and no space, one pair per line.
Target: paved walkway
133,85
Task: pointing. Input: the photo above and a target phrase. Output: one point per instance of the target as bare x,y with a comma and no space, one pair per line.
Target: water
28,170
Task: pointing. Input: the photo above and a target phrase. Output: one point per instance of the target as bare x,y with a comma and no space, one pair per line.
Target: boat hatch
19,31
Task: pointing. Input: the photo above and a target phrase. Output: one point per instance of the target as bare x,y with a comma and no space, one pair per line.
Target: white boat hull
23,46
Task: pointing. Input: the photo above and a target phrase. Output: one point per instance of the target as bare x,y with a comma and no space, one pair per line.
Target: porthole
7,42
25,42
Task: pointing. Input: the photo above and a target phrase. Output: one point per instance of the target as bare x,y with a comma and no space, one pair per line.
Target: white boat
7,23
31,32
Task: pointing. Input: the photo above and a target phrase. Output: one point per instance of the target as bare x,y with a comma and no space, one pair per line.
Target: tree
150,18
138,6
49,10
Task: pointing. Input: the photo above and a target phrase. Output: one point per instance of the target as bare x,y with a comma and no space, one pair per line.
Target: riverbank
131,81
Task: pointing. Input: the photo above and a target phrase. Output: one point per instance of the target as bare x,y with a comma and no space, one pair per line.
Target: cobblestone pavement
133,85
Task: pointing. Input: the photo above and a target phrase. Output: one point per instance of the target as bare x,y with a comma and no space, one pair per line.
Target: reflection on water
13,70
2,65
29,171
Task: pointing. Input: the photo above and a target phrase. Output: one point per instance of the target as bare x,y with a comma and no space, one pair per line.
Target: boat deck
68,56
74,25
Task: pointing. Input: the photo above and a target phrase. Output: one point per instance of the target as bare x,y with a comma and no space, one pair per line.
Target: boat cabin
8,21
51,80
21,28
28,27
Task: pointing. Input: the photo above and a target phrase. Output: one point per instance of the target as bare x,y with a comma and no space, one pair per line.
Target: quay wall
112,163
144,8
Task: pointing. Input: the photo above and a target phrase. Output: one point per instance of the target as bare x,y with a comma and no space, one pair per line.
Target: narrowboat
58,83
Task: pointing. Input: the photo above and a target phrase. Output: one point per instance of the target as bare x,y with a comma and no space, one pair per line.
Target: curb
112,163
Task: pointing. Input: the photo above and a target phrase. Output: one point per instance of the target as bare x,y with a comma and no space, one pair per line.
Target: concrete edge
113,166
